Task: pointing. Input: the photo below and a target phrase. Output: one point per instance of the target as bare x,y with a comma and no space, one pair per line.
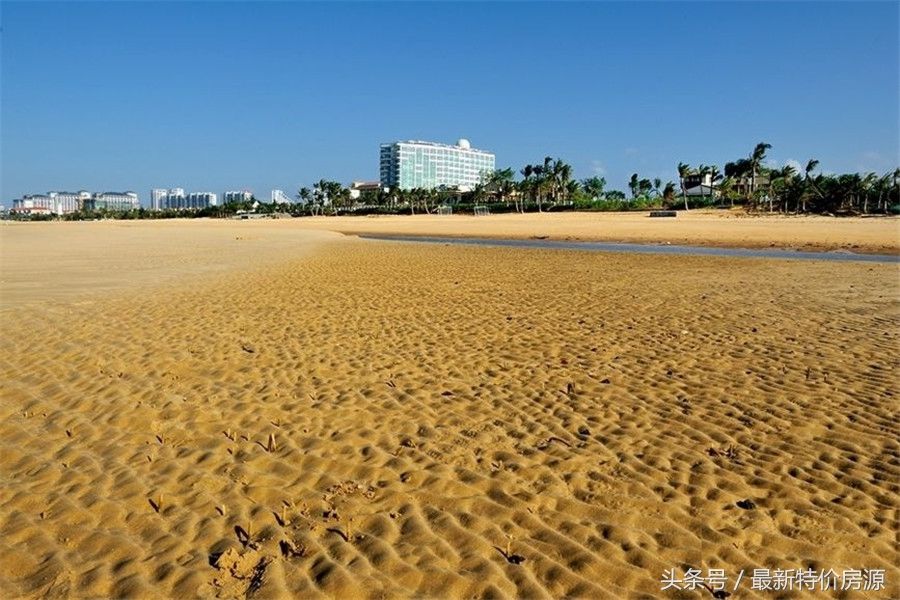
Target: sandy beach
271,409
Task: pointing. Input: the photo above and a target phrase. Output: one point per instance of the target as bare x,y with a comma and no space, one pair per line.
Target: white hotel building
417,164
60,203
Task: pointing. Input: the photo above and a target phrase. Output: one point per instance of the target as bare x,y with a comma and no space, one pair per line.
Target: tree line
548,185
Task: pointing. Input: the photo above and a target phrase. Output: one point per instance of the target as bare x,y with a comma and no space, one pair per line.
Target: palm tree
714,176
527,173
684,170
810,182
657,183
756,158
593,187
726,188
634,184
539,182
303,194
668,192
562,177
868,184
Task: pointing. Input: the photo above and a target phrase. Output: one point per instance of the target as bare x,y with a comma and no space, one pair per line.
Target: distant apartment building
237,196
177,199
60,203
158,198
197,200
418,164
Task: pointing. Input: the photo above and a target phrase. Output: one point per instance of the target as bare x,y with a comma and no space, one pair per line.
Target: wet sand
877,235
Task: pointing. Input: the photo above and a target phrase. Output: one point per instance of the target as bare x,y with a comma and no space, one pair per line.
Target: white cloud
597,168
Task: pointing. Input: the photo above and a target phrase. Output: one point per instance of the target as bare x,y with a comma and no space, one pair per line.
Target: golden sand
337,417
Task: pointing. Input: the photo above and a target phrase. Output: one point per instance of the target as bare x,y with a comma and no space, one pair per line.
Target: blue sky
214,96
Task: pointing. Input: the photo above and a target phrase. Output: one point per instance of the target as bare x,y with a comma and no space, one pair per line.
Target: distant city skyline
612,88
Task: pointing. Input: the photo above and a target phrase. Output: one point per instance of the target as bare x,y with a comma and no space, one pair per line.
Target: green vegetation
548,186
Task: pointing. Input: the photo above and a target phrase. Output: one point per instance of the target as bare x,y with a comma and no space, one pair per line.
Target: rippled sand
371,419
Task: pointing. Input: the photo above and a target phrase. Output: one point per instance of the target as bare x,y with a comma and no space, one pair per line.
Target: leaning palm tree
683,171
756,158
668,192
714,176
810,183
702,171
634,184
868,184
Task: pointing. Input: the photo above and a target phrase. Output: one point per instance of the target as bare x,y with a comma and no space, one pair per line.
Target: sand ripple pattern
385,420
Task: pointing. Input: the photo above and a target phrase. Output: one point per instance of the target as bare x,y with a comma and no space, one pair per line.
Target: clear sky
215,96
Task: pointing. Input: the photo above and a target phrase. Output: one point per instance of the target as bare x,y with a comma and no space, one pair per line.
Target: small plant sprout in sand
283,518
157,503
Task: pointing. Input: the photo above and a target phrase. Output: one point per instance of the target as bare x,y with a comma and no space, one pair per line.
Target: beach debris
248,348
584,431
511,558
730,452
605,381
291,549
570,388
68,432
544,444
271,445
157,503
746,504
229,434
244,566
244,537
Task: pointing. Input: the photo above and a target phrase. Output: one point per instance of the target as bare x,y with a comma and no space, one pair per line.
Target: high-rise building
201,200
176,199
237,196
158,199
416,164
